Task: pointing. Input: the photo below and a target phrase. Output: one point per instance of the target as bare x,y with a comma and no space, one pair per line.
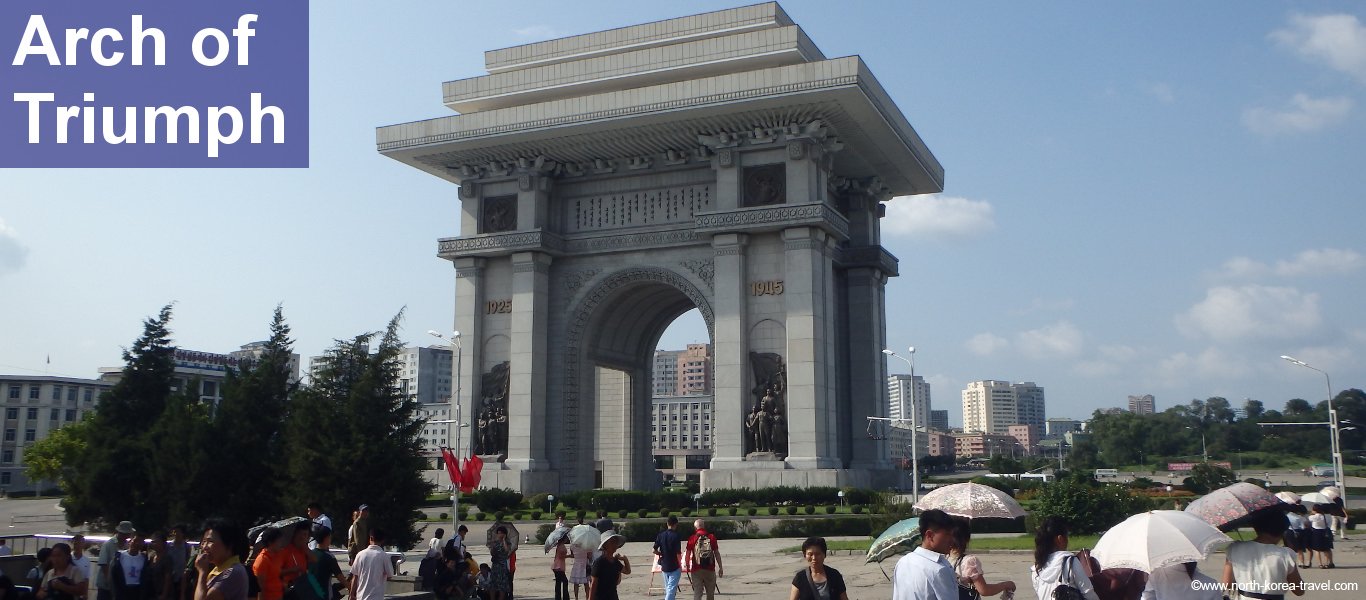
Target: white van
1107,473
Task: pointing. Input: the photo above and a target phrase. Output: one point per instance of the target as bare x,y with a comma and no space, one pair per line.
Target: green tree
113,477
1254,409
54,458
1206,477
352,438
248,425
1089,507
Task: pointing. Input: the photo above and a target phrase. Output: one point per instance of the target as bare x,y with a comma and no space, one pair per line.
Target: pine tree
352,439
113,479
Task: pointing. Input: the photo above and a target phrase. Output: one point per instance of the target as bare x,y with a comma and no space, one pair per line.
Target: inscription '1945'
766,288
495,307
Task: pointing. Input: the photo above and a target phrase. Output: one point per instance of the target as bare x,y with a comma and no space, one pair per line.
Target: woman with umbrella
1260,568
1321,536
968,569
1054,567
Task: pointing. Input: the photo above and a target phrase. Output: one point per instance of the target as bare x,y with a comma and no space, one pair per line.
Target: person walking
704,560
315,513
608,568
324,566
557,569
360,531
1321,536
578,576
817,581
268,563
371,569
500,579
926,574
668,547
1297,536
220,574
1054,566
1261,568
967,569
434,544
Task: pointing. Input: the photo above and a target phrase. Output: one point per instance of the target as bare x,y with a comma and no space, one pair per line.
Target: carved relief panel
765,185
499,213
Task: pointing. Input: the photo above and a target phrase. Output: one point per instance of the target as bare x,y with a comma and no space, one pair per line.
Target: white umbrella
972,500
1331,493
585,536
1315,498
1156,539
1288,497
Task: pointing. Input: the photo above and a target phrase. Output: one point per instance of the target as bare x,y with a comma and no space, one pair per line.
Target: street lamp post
1335,447
455,423
1204,453
550,501
915,452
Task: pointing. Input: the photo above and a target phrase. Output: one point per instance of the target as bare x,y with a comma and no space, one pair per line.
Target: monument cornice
874,257
499,244
774,218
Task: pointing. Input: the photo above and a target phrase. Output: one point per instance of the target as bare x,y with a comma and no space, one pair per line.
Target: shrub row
822,527
782,495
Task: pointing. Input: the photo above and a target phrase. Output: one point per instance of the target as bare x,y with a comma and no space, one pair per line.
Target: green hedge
492,500
647,529
822,527
783,495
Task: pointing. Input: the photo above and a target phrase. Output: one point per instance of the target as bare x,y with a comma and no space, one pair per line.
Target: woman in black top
817,581
608,568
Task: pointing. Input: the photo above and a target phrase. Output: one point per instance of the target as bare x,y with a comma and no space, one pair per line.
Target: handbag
965,592
1065,590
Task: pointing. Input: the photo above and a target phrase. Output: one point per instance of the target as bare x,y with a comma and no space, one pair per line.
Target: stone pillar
530,338
866,329
469,321
730,380
808,386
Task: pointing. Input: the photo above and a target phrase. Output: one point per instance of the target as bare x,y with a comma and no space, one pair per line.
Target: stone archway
612,180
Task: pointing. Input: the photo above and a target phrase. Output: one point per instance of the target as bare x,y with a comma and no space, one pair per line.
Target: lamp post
454,431
1334,443
550,500
1203,452
915,453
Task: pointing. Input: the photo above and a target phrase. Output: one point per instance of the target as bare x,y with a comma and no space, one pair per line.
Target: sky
1146,198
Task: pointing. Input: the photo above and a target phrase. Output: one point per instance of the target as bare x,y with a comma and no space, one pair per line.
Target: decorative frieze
704,269
775,217
575,279
498,244
672,237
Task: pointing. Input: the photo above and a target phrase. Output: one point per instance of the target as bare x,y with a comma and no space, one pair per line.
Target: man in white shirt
926,574
371,569
315,513
78,557
104,580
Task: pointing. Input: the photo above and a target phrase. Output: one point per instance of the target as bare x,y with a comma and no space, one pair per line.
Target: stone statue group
766,425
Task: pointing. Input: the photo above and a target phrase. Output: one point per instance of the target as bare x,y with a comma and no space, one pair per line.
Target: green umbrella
901,537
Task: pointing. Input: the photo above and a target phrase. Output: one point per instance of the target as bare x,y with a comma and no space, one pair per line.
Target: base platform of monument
765,474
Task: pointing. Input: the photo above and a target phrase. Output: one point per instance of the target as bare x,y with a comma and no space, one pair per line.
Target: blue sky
1156,197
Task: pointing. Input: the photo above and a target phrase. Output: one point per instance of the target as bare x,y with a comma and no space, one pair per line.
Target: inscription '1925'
766,288
495,307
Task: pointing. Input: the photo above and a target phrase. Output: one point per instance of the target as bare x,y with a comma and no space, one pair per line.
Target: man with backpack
704,555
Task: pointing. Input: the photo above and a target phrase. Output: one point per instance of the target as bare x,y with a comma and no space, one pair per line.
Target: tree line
157,455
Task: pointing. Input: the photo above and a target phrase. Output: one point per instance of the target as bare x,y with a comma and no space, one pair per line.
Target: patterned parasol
513,535
972,500
554,538
900,537
1155,539
1230,507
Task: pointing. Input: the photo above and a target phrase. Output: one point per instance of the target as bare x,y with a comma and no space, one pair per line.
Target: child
483,581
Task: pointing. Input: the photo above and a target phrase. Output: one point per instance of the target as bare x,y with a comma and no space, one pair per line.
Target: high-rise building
984,444
1027,436
681,435
694,370
1142,405
425,373
664,381
901,391
939,420
35,406
993,406
1056,427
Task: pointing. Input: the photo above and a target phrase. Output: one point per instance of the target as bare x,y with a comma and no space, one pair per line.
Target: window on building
5,477
56,392
71,414
11,413
33,414
14,392
56,414
30,435
71,394
9,435
33,392
89,395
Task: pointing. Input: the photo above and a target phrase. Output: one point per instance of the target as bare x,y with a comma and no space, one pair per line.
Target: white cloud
938,216
1318,262
1163,92
1234,313
13,253
1338,41
1059,340
986,344
1303,115
539,32
1045,305
1211,362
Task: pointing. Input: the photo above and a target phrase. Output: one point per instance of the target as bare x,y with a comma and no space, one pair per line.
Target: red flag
452,466
472,472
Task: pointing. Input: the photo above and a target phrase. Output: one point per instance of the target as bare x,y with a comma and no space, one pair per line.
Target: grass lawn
1020,542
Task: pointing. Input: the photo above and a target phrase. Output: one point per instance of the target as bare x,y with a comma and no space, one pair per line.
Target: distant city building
899,442
939,420
210,369
993,406
902,391
694,370
942,444
425,374
665,377
1142,405
35,406
255,350
1027,436
984,444
681,435
1056,427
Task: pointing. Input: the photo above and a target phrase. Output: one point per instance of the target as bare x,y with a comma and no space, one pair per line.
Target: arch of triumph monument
611,182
